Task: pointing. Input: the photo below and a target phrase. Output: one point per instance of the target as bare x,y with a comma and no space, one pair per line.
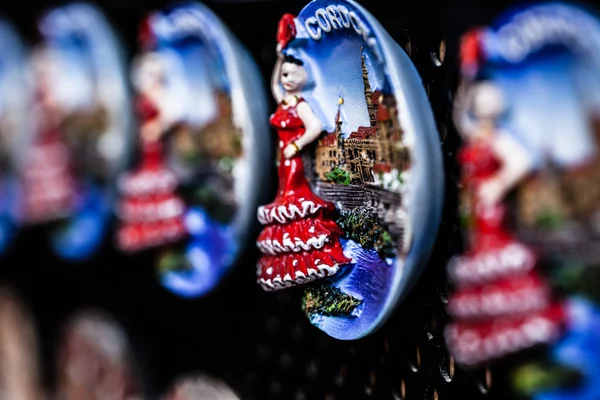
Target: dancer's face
44,70
293,76
488,101
487,107
150,76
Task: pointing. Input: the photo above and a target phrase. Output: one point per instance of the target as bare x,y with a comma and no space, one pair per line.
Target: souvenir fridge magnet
79,132
191,197
96,360
528,109
360,172
20,372
199,386
13,108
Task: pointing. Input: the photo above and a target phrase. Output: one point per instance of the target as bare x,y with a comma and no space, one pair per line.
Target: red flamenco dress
48,182
501,304
300,240
150,212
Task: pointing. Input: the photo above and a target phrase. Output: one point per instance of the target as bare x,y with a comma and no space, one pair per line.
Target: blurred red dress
300,240
151,213
48,182
502,304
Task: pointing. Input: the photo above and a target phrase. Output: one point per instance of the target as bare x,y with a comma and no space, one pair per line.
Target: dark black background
260,343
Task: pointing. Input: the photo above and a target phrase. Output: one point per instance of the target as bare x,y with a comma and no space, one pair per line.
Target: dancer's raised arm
276,89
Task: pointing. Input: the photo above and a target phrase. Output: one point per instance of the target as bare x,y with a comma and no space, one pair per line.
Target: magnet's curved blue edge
208,256
14,102
367,278
426,193
8,223
379,284
213,250
80,32
525,30
83,233
579,348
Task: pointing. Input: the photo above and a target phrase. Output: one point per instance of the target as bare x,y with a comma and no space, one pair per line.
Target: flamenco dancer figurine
49,188
151,213
500,293
300,240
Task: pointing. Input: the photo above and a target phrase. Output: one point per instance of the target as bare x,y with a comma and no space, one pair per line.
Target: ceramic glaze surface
13,106
528,110
199,173
366,167
80,132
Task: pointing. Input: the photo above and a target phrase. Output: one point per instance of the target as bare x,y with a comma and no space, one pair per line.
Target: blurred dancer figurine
151,213
49,189
499,292
300,241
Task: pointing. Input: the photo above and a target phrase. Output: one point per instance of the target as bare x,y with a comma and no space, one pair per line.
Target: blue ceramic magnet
360,173
528,109
190,197
79,136
13,117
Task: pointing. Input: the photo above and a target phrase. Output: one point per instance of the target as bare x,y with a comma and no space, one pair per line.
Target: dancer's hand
491,191
289,151
151,131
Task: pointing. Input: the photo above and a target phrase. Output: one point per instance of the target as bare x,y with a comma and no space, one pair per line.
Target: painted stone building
329,152
370,149
215,140
372,99
365,154
361,151
562,193
220,137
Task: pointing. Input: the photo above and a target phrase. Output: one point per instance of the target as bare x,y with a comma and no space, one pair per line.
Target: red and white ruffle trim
274,246
299,235
474,343
274,272
283,213
148,182
141,236
151,210
505,298
509,260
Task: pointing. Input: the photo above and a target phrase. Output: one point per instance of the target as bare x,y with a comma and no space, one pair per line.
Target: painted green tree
358,225
172,261
328,300
209,198
534,377
339,176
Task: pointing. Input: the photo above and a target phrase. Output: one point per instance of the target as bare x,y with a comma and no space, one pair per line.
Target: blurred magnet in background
200,387
528,108
360,170
95,360
80,132
19,357
202,149
14,96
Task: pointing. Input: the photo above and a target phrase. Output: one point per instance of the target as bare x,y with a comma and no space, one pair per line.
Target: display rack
260,343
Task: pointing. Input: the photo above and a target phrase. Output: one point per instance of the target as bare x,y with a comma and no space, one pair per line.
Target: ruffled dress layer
501,304
300,238
150,211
